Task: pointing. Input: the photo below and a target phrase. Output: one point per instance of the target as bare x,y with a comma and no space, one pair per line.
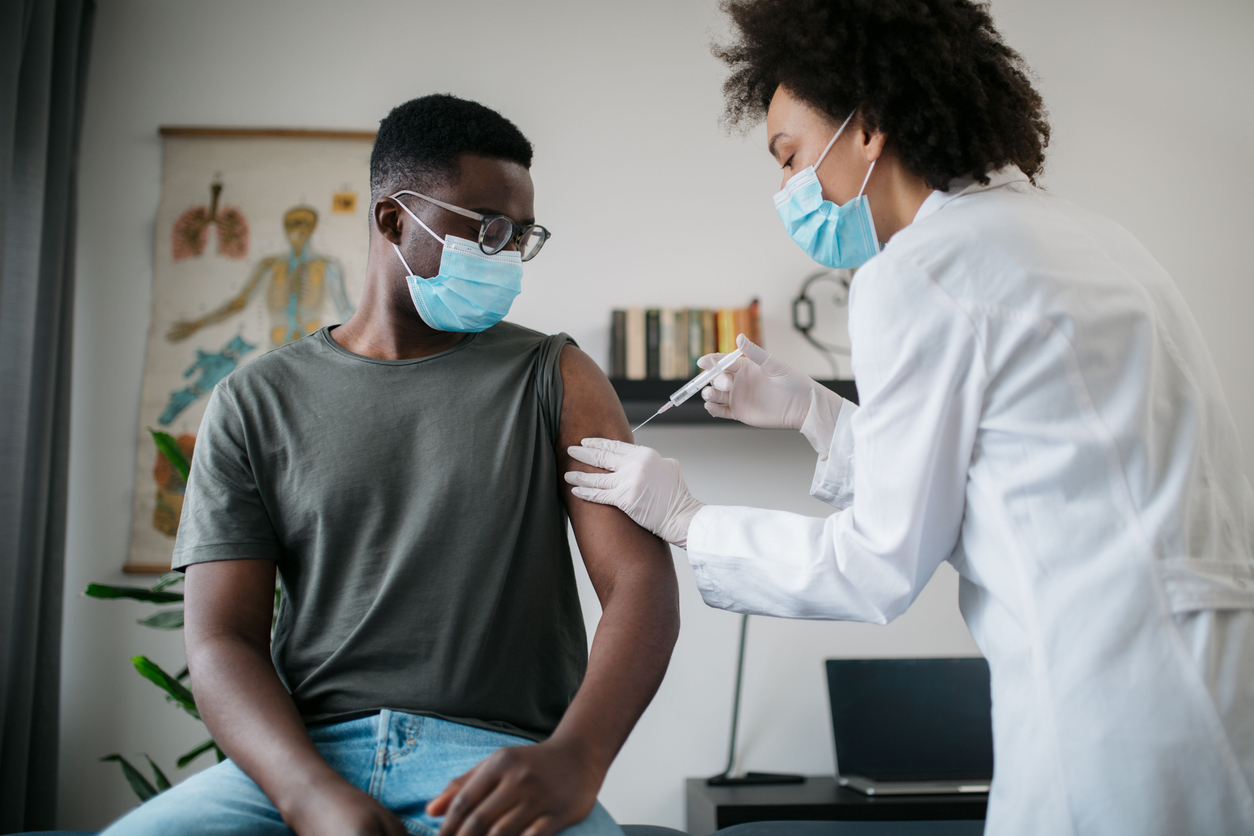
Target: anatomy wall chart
261,239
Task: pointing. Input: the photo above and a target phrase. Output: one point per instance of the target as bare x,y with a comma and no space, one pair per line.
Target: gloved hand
649,488
759,390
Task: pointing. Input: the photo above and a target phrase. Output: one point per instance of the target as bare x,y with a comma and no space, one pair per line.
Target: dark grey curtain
43,63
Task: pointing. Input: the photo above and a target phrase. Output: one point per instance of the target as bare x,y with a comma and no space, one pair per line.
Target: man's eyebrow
770,146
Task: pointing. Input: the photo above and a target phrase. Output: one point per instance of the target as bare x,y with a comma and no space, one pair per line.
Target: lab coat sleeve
921,381
833,475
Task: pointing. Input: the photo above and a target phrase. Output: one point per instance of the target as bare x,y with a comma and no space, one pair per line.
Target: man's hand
251,714
340,809
522,791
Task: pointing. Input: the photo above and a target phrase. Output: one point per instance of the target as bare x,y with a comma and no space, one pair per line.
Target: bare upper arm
231,598
608,539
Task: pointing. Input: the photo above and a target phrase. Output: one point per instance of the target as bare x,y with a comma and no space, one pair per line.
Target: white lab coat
1040,410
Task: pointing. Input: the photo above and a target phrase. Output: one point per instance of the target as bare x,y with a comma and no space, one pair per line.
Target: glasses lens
533,238
495,234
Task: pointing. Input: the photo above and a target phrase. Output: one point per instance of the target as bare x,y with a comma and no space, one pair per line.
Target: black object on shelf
803,312
642,398
725,778
820,798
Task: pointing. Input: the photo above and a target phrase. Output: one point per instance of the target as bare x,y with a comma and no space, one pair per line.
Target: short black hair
933,75
421,141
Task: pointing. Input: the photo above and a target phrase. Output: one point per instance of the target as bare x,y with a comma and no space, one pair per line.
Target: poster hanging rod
287,133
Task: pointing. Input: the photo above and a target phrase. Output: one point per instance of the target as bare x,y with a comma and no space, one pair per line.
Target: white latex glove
759,390
649,488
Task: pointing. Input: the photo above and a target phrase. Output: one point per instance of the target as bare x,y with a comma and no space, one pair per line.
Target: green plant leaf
165,620
176,692
169,448
183,674
221,756
168,579
137,781
163,783
195,753
137,593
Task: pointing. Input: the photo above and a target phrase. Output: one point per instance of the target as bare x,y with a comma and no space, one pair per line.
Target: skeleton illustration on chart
297,284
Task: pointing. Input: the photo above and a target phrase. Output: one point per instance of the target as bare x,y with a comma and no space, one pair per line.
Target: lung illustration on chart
190,235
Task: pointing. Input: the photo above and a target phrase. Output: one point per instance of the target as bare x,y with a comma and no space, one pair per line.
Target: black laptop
912,726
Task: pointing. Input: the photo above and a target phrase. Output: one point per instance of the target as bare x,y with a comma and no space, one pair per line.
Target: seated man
430,667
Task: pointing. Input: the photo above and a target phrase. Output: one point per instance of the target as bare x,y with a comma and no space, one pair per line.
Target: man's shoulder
508,343
276,366
511,334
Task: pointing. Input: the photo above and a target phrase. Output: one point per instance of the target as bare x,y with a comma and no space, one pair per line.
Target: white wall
1153,125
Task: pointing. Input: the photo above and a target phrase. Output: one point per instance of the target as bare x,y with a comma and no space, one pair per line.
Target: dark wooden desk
820,798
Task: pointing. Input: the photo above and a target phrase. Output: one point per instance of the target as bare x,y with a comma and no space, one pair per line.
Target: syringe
695,385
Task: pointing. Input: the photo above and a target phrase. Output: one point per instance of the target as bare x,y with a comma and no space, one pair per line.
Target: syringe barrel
702,380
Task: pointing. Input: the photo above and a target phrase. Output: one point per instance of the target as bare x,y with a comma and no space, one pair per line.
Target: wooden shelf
641,398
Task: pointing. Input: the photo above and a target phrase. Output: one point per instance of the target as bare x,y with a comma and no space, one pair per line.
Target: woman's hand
649,488
758,390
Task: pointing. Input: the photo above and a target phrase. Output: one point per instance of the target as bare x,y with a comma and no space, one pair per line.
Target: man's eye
788,162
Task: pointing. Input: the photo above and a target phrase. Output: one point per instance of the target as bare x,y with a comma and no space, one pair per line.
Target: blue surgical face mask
473,290
834,236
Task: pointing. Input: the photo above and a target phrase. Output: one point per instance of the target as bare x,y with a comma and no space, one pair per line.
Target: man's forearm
253,720
630,653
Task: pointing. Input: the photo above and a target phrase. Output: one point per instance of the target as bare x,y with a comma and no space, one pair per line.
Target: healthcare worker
1038,408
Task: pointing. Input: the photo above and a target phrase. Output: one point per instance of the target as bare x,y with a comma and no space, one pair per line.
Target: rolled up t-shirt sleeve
224,514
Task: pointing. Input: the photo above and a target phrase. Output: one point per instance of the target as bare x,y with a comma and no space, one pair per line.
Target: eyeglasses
496,232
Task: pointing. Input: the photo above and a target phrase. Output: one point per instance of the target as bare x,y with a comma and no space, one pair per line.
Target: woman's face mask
834,236
472,292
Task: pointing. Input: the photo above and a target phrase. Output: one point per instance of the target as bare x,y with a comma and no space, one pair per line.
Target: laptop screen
911,719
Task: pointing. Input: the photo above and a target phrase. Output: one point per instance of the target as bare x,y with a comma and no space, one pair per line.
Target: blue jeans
403,760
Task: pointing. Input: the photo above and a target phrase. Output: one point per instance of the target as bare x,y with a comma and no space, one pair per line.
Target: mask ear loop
839,131
868,177
420,223
418,219
403,261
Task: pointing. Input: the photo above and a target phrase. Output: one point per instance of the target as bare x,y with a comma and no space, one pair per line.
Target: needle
647,420
695,385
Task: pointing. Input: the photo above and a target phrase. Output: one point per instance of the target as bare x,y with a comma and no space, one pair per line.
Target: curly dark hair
934,75
422,140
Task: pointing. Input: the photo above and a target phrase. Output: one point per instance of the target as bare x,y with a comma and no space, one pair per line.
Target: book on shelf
652,341
618,345
696,339
634,347
665,343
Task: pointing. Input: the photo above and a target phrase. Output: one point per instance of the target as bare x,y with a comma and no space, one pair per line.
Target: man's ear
387,219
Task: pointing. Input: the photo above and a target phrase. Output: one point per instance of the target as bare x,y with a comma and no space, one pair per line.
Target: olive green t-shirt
414,512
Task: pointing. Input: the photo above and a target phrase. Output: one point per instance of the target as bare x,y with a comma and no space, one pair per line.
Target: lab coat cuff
696,549
833,475
820,420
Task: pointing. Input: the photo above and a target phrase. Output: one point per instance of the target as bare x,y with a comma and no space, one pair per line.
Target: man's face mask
473,290
834,236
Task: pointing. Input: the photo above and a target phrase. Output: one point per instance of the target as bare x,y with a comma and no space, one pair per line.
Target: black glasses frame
516,231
